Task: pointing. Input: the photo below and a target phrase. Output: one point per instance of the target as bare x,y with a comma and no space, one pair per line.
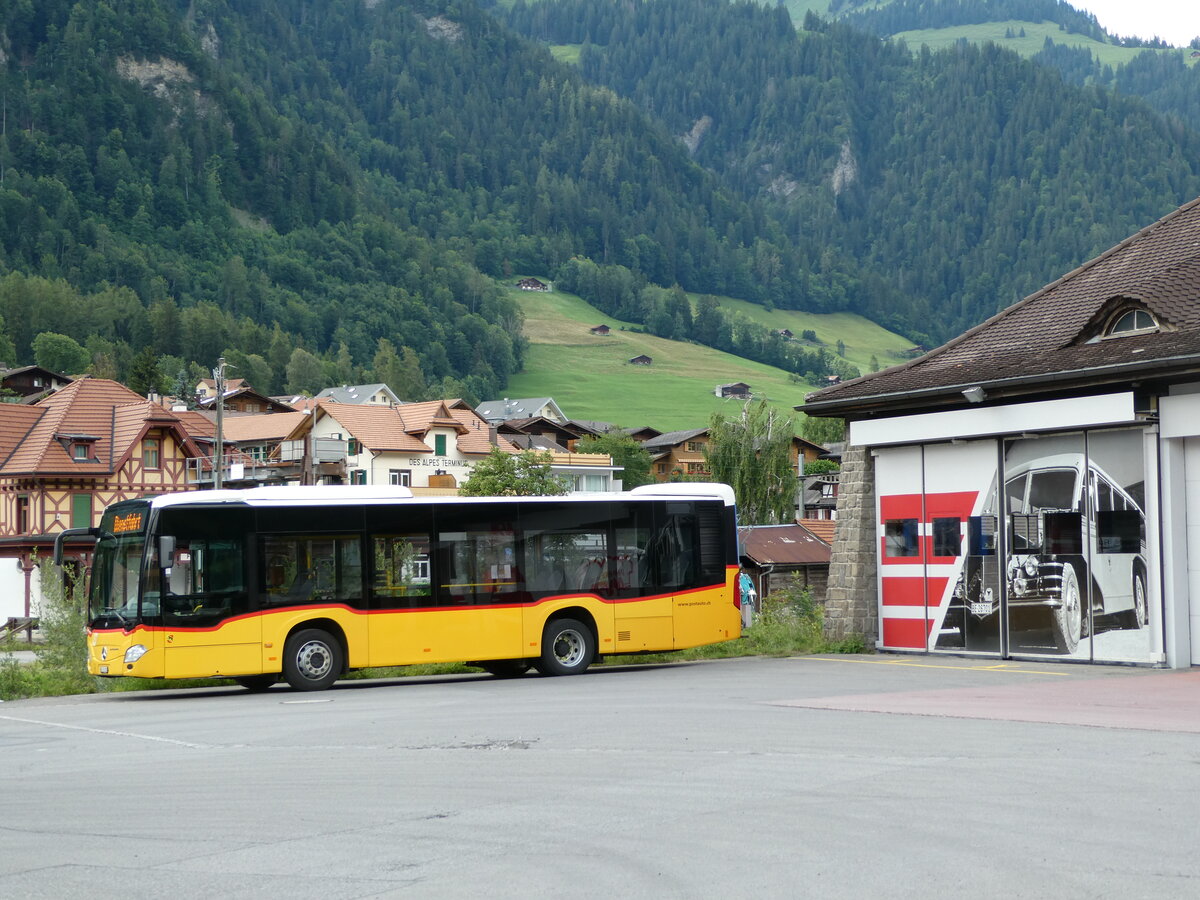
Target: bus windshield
116,569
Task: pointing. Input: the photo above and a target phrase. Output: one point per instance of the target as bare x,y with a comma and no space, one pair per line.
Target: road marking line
132,734
998,667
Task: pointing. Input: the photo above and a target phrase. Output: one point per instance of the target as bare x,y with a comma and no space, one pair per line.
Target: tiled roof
379,428
523,408
198,425
402,428
1044,337
356,393
109,414
783,545
822,528
16,420
265,427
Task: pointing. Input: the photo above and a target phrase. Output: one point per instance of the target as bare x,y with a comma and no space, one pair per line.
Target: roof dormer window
1131,321
80,451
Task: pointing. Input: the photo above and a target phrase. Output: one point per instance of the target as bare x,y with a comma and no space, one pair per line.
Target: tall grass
61,664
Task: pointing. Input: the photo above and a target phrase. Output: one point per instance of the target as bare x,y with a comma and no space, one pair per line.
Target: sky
1175,21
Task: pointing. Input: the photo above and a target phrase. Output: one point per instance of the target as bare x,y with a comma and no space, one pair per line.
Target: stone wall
851,598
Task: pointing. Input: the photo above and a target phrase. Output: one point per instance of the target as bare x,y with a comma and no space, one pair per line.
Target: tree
501,474
823,431
144,377
60,353
753,454
625,452
305,374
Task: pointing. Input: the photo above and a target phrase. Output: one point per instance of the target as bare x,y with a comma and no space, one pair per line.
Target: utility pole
219,450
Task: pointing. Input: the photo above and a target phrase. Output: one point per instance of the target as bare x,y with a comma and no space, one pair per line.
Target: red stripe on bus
465,607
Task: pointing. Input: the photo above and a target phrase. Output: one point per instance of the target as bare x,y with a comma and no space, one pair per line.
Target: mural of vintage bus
1074,560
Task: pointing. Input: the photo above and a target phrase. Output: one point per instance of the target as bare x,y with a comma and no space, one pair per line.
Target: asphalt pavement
833,776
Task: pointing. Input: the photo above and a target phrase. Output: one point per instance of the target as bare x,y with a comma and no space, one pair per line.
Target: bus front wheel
568,646
312,660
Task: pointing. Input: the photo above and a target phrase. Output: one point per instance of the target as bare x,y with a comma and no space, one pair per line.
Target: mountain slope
950,183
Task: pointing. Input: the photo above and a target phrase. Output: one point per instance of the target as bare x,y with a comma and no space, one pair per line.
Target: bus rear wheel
312,660
568,646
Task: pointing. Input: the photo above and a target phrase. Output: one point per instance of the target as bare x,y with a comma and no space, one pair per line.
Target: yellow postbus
312,582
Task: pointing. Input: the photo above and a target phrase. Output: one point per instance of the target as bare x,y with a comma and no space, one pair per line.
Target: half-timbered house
64,459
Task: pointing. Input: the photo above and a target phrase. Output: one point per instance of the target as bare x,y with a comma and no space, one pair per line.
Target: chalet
1028,489
738,390
678,452
244,399
67,457
600,329
28,384
641,360
560,437
532,284
785,333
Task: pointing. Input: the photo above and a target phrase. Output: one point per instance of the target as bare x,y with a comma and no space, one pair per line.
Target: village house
677,452
28,384
378,394
641,360
532,284
496,411
550,435
1032,487
245,400
206,388
682,452
67,457
600,329
429,447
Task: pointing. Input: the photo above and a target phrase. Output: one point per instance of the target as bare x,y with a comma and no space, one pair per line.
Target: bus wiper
115,612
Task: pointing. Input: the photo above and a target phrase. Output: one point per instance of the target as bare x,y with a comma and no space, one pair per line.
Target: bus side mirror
166,551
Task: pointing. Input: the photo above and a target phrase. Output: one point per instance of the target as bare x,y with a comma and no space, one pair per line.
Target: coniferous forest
329,190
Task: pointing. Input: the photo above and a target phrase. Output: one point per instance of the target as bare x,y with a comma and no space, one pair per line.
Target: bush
789,621
61,665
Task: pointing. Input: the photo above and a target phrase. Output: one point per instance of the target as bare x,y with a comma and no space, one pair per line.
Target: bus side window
304,569
400,569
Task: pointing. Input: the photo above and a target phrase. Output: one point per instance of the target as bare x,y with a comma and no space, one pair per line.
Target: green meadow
590,376
1033,41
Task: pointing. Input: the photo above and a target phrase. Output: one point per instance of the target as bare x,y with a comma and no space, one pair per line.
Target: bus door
205,604
480,576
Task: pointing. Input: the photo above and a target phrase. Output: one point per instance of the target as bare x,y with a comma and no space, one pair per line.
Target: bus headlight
134,653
